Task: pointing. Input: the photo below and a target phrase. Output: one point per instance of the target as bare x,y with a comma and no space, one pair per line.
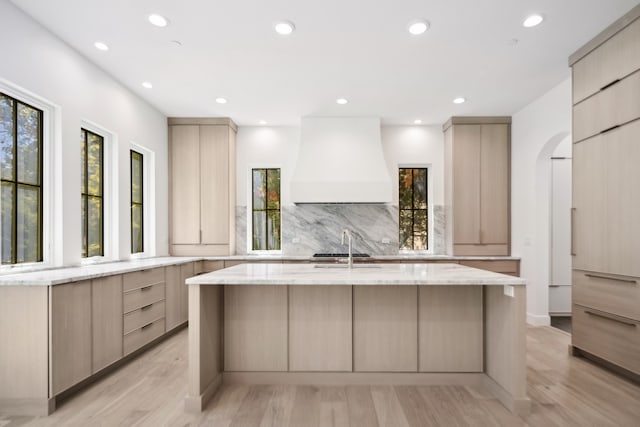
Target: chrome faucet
347,233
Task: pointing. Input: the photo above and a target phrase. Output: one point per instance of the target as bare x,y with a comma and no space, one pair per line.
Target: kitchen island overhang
417,324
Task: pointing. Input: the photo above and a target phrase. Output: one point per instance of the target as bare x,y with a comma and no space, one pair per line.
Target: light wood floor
565,391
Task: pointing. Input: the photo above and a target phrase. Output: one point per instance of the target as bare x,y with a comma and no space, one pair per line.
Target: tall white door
560,286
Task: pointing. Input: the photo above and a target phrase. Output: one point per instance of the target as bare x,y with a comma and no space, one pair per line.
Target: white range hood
341,161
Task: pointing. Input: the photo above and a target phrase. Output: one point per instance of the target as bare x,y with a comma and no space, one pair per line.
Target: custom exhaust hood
341,161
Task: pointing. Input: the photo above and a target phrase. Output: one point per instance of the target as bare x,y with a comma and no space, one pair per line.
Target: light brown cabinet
605,236
70,335
106,314
202,190
477,174
450,328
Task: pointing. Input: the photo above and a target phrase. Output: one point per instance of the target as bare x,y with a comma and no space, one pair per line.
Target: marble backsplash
311,228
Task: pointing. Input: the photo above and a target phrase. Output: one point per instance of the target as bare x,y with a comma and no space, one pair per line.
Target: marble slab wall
312,228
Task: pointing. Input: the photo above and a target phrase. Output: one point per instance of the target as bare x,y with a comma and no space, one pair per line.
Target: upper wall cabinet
477,153
202,161
605,66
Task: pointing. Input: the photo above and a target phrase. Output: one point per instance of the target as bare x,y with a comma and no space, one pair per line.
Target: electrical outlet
508,291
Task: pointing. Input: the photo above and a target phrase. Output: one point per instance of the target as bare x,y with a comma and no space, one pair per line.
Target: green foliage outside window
21,181
137,208
412,198
265,209
92,194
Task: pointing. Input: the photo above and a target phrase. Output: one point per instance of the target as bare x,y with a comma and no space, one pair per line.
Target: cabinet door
106,312
623,199
494,185
173,301
589,216
70,334
185,184
186,271
385,328
450,328
466,184
214,184
614,59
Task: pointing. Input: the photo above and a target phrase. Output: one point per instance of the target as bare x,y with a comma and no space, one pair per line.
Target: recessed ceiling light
101,46
532,21
284,28
158,20
263,122
459,100
342,101
417,122
418,27
221,100
147,85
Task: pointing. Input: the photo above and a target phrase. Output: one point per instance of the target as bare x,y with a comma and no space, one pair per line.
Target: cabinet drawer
510,267
142,278
138,298
617,341
611,107
141,336
614,294
614,59
143,316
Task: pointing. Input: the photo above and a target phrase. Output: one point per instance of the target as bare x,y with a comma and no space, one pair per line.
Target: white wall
278,146
536,131
38,62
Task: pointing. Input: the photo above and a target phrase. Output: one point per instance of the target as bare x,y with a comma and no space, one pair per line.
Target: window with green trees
265,209
92,194
137,208
21,181
412,200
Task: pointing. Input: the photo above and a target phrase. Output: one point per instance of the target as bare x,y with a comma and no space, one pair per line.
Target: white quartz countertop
360,274
397,257
88,271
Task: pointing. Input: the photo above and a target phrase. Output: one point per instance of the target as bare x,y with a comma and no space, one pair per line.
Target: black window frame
132,155
266,209
85,196
413,209
15,182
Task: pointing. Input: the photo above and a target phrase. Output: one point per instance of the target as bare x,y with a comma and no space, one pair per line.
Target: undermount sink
345,266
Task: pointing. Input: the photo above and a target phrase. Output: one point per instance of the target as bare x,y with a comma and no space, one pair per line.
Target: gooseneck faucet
347,233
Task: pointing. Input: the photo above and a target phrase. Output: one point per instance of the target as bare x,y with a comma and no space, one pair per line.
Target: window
92,194
21,181
265,209
137,208
412,200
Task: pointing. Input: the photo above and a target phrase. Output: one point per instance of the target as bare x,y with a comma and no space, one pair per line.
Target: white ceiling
357,49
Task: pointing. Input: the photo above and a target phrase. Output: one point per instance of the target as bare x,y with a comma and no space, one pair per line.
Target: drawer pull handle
146,326
615,279
146,307
615,319
609,129
146,288
608,85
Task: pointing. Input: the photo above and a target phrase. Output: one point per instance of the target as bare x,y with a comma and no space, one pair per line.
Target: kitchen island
412,324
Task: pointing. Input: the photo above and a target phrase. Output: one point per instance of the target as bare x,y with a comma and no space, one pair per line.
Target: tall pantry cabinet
606,196
202,162
477,175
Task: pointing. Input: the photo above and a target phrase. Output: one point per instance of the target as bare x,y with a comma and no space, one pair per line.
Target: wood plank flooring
565,391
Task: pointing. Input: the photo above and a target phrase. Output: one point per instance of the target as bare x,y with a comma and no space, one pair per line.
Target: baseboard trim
196,404
538,320
40,407
353,378
517,405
